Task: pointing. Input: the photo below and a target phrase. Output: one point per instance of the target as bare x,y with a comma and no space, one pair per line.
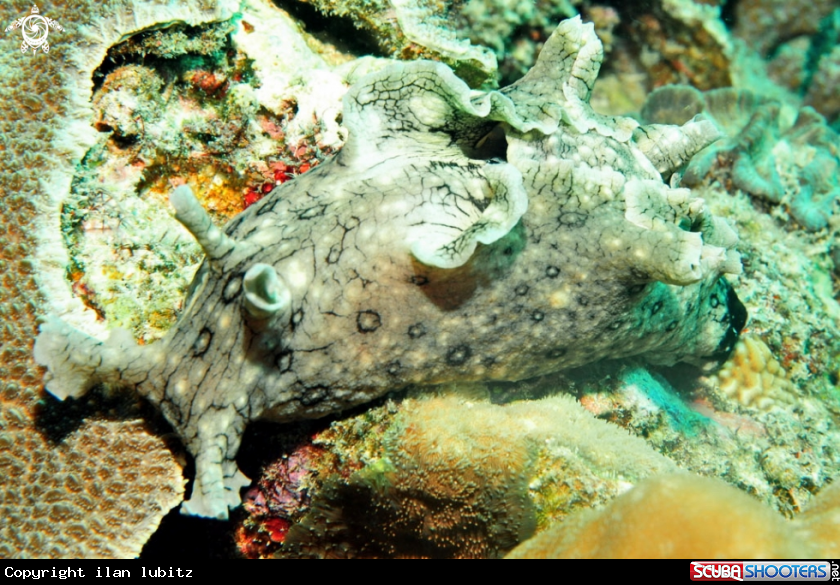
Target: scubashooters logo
35,29
762,571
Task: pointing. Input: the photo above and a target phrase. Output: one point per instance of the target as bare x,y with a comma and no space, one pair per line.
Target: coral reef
235,107
684,516
792,160
681,41
456,476
85,496
818,524
203,114
280,498
412,30
764,24
644,277
808,66
781,456
754,377
822,69
99,494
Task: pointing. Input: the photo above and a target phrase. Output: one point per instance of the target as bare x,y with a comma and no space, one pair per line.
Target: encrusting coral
291,317
457,476
779,156
102,490
98,446
686,516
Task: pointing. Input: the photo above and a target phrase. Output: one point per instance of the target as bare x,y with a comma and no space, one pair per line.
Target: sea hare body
459,235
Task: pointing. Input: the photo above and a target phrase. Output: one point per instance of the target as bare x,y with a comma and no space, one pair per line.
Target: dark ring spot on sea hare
393,368
416,331
458,355
232,288
202,342
572,219
521,290
714,301
555,353
636,289
335,255
297,317
552,272
657,306
537,315
671,326
368,321
284,362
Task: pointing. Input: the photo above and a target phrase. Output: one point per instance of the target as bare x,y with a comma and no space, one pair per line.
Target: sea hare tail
76,361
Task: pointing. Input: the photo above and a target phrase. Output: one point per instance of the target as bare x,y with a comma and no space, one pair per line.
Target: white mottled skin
429,250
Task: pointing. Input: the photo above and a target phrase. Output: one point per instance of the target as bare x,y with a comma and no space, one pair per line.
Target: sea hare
459,235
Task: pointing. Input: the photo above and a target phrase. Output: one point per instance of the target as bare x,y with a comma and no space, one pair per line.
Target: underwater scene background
538,279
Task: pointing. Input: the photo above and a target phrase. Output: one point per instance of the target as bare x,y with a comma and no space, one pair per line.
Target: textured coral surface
453,475
101,490
684,516
753,376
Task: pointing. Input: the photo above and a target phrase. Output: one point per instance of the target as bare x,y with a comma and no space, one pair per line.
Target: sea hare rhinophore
459,235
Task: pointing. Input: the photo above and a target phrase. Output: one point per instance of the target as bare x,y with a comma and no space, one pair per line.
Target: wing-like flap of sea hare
665,249
560,84
467,210
422,105
417,123
670,147
682,242
419,108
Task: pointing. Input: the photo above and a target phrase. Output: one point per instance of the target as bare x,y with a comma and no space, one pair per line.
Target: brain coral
458,235
103,489
754,377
